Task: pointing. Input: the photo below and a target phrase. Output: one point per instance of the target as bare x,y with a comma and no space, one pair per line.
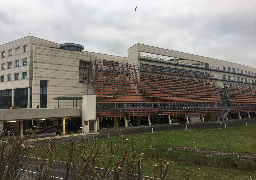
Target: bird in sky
136,8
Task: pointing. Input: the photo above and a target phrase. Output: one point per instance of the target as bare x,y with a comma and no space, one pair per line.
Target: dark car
55,129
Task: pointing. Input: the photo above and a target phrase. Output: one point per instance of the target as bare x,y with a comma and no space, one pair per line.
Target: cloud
219,29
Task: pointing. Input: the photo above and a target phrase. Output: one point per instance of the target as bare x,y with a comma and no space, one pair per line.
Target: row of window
238,79
238,71
16,51
16,77
16,64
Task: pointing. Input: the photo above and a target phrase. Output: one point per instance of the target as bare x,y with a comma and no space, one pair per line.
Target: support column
158,119
202,118
88,111
125,122
249,115
28,98
95,126
13,96
149,123
64,125
98,123
187,119
239,115
169,118
21,129
138,120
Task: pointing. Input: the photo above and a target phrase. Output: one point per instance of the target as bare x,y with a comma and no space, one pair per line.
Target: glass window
9,78
238,78
224,77
17,50
224,68
229,78
3,54
24,75
16,76
25,48
10,52
242,71
3,66
228,69
9,65
234,70
2,78
24,62
242,79
17,63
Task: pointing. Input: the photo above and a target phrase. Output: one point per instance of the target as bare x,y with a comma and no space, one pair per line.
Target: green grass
156,146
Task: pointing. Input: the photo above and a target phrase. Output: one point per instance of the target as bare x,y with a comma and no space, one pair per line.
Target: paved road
113,132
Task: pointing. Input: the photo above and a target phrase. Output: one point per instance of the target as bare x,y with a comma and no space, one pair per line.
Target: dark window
25,48
16,76
17,63
2,78
3,54
43,94
24,75
24,62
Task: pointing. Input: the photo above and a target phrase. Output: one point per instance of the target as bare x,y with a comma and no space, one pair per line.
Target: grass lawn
163,145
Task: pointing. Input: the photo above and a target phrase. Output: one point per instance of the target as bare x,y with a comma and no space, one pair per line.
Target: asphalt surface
113,132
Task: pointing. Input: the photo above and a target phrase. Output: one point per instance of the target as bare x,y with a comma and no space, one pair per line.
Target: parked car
34,130
56,129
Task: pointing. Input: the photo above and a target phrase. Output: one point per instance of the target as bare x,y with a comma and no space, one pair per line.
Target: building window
224,68
9,65
24,75
224,77
3,66
24,62
238,79
242,79
17,50
2,78
237,70
10,52
242,71
9,78
17,63
3,54
228,69
16,76
234,78
43,94
25,48
229,78
234,70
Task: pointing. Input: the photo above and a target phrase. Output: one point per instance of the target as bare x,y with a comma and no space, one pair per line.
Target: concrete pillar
13,96
169,118
187,118
149,123
29,98
1,127
64,125
88,111
21,129
125,122
239,115
249,115
95,126
138,121
98,123
202,118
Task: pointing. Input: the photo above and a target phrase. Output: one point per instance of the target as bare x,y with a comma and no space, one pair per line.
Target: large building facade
149,82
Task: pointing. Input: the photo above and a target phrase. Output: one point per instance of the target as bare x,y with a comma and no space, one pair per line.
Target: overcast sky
221,29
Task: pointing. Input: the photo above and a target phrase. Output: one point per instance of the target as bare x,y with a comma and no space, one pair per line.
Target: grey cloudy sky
221,29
